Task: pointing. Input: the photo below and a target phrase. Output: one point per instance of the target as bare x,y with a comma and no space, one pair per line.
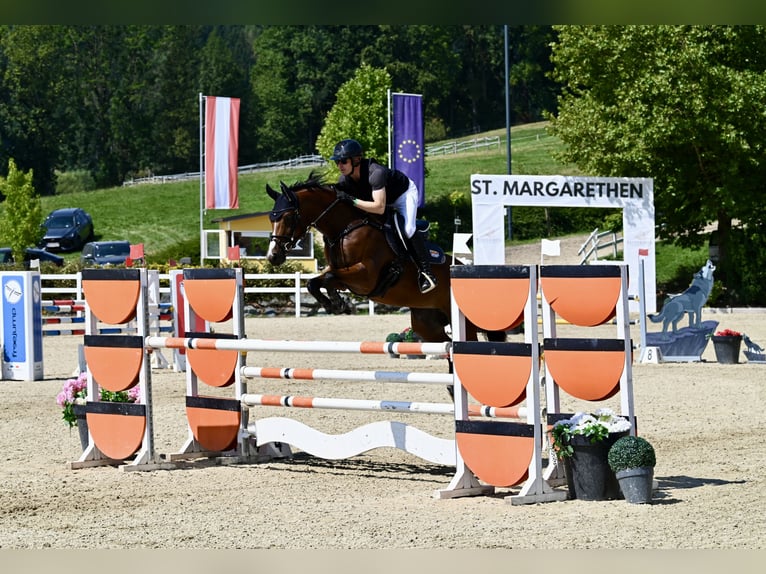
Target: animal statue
689,302
364,256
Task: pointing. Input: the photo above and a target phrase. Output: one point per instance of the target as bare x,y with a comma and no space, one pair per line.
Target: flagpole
201,182
388,103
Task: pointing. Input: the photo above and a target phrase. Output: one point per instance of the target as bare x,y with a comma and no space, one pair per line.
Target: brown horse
361,258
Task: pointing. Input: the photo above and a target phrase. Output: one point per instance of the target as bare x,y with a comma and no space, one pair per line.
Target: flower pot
587,470
726,349
82,425
636,484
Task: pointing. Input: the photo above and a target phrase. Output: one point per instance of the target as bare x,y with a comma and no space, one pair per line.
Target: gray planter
636,484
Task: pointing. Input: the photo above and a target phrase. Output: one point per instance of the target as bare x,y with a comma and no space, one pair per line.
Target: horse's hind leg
429,324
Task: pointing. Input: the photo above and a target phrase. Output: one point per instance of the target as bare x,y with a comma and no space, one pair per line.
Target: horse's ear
283,186
272,194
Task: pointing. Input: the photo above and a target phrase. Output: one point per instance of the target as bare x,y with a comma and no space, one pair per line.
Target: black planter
82,425
636,484
727,349
587,470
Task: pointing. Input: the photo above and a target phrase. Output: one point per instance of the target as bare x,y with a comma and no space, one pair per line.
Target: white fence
69,286
461,146
302,161
597,241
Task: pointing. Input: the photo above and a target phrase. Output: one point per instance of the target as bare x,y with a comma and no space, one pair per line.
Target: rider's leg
426,278
407,205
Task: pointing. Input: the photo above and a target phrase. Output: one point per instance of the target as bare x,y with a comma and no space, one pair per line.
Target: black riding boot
426,278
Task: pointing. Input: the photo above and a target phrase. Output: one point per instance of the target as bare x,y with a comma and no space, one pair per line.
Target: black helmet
345,149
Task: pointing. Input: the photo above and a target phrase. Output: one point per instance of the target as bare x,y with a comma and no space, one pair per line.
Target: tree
32,121
360,112
20,225
297,72
683,105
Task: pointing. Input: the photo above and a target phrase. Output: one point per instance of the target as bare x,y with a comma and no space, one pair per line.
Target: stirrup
426,283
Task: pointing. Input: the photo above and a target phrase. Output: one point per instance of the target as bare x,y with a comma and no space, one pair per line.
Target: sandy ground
704,420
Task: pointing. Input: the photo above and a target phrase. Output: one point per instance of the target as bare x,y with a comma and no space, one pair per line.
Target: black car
105,252
6,257
67,229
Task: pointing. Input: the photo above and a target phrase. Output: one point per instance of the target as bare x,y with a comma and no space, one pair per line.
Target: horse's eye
273,217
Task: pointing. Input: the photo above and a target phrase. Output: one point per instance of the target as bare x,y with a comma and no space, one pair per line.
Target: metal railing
595,242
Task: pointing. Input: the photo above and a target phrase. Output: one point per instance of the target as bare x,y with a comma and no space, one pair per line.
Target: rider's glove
343,196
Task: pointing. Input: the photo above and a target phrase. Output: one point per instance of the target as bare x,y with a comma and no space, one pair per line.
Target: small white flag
552,248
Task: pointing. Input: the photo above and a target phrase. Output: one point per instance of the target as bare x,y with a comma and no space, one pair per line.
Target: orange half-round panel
114,360
589,369
495,374
492,297
117,428
498,453
211,299
112,294
584,295
214,422
213,367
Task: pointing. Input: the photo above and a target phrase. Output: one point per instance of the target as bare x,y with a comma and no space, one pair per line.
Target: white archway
635,196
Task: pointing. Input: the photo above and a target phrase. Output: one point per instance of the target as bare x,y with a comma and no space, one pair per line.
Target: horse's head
307,204
287,227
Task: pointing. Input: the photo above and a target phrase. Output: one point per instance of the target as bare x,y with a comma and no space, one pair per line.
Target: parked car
6,256
105,252
67,229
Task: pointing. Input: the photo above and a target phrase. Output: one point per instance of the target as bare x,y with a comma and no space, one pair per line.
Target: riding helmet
345,149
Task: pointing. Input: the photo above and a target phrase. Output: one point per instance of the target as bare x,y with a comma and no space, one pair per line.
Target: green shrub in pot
631,452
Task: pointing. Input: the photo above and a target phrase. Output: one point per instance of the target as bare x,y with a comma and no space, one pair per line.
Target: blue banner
14,319
408,135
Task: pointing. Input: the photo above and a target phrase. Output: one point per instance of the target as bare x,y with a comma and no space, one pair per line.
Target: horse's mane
315,179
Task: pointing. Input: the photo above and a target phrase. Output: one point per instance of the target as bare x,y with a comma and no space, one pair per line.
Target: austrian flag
221,146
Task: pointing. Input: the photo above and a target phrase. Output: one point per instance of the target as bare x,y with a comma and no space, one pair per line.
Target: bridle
288,241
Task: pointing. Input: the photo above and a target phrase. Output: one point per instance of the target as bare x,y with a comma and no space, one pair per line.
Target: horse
363,257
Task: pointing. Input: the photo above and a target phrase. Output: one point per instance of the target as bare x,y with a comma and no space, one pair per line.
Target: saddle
393,231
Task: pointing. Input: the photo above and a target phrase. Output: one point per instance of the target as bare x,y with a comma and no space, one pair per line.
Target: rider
371,186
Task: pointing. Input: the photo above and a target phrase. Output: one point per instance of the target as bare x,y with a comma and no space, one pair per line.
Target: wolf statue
689,302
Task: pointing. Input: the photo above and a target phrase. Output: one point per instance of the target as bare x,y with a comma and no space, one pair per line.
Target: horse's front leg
333,303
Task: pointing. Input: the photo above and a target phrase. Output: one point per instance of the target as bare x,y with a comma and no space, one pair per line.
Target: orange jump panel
117,428
214,422
211,299
213,367
583,295
586,372
492,297
493,378
114,360
494,453
113,302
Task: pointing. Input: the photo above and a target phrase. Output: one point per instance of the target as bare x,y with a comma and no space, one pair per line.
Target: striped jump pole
247,345
347,375
253,400
58,302
63,308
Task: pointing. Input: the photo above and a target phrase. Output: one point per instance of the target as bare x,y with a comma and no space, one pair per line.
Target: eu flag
408,136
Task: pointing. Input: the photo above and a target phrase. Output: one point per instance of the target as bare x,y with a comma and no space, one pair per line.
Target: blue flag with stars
408,136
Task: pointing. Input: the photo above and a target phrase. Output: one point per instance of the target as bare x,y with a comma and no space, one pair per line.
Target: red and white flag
221,146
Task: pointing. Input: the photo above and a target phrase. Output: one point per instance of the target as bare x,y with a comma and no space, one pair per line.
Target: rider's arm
378,203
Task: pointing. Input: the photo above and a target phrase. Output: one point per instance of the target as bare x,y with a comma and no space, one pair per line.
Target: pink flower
134,393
